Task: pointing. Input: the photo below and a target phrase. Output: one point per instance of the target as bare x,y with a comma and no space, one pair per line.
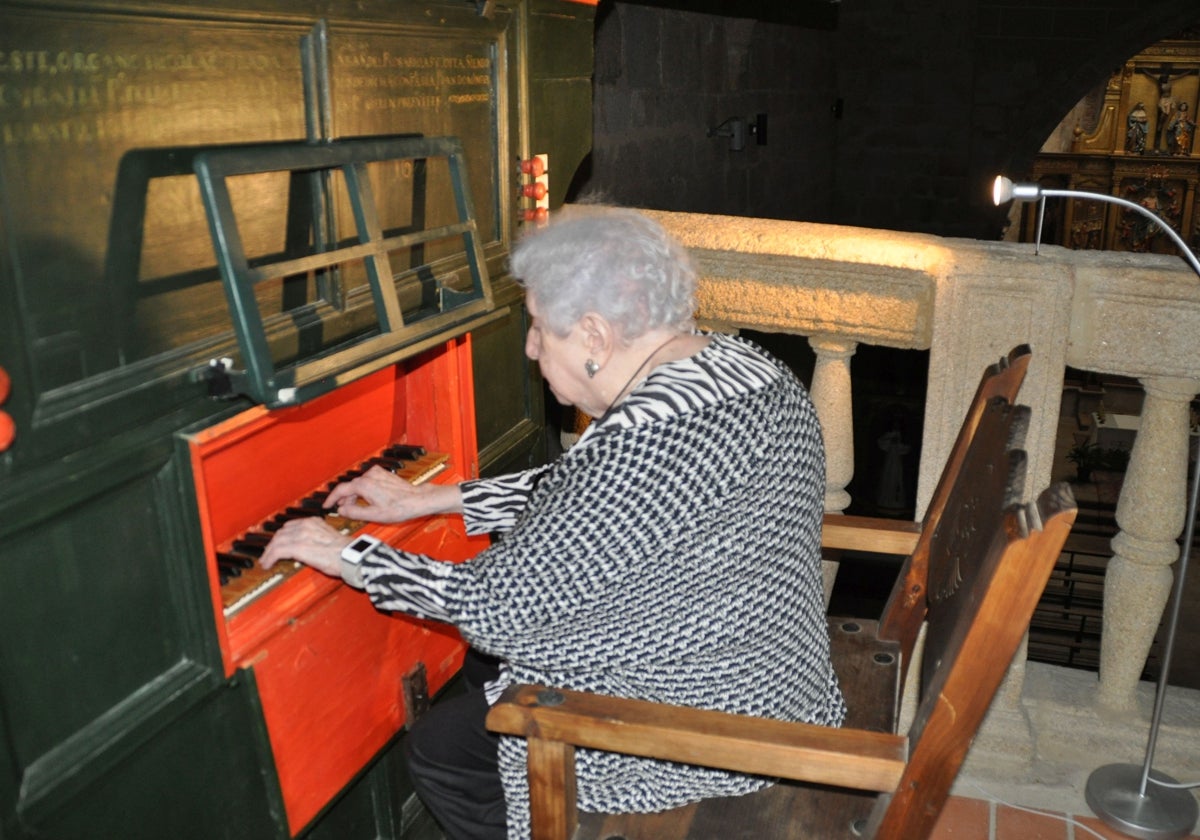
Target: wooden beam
865,533
804,752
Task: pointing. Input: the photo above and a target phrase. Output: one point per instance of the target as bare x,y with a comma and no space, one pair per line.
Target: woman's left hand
311,541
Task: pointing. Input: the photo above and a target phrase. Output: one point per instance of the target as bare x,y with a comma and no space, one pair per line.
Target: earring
591,367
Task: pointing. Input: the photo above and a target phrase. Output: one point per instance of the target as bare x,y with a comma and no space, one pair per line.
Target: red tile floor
978,819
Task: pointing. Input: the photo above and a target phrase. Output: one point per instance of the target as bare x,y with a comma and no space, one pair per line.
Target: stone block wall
935,97
664,78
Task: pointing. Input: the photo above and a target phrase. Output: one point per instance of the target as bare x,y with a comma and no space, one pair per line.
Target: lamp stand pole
1138,800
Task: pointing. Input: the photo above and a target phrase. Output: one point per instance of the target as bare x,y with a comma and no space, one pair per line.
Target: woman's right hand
379,495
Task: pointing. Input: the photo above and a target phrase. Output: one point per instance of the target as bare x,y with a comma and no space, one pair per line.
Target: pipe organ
250,249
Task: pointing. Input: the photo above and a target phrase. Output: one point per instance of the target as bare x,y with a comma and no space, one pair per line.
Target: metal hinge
416,694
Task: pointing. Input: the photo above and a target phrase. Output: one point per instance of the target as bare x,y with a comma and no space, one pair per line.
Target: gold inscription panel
431,85
102,285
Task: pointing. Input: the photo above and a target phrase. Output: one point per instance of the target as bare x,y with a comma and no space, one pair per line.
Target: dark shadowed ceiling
820,14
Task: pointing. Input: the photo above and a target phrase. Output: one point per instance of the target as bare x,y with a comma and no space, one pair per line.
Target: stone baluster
1150,515
832,397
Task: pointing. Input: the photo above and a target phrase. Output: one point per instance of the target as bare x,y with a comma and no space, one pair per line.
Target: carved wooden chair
974,571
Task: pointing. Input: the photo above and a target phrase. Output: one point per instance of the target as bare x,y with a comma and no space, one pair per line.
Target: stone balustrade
969,302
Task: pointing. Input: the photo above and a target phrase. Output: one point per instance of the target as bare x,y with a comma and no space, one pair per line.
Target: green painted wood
196,779
510,424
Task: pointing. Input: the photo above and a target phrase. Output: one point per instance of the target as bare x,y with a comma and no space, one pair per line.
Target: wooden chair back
903,614
989,560
905,610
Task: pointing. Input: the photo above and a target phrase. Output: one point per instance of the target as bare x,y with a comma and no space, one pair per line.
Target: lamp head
1003,189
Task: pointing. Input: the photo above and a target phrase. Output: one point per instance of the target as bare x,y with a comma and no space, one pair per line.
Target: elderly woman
672,554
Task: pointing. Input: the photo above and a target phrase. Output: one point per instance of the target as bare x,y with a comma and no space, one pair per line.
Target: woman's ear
598,336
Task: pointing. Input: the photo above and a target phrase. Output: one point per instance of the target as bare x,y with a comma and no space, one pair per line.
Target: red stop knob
535,190
537,214
534,166
5,385
8,430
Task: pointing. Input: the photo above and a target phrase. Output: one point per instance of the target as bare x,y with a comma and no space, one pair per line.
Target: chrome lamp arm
1004,190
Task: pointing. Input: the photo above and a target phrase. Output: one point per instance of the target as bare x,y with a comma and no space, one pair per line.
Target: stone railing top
808,240
872,286
1131,314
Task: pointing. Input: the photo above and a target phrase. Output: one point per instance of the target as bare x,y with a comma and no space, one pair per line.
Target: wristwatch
352,557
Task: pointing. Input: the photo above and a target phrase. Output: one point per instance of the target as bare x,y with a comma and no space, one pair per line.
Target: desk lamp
1137,801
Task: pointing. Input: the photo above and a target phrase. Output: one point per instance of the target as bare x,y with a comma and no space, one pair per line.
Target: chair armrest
868,533
850,758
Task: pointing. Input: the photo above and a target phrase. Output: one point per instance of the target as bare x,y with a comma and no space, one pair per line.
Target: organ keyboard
241,578
306,635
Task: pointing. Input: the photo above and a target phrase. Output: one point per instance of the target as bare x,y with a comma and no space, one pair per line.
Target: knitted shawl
675,560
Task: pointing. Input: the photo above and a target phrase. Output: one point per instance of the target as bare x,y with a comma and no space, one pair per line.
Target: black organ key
228,570
296,513
404,451
392,464
248,549
235,560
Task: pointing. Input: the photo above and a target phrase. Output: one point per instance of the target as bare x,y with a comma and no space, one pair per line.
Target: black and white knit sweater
673,554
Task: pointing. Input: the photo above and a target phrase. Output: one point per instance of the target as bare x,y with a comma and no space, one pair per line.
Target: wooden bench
974,572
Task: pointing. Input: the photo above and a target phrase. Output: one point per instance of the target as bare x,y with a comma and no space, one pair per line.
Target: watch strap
352,557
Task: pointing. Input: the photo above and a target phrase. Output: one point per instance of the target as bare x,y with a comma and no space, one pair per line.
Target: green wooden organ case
249,248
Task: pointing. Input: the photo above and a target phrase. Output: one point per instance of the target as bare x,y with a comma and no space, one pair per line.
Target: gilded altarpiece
1141,147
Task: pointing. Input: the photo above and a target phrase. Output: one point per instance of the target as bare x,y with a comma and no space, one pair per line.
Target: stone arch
1106,54
1045,87
1097,69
